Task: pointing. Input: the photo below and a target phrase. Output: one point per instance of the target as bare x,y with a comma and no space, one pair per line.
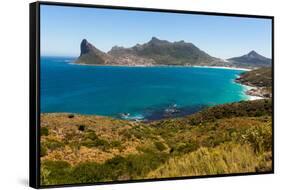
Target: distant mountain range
162,52
252,59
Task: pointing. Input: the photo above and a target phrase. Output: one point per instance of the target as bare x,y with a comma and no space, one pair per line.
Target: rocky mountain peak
85,47
252,59
253,54
155,40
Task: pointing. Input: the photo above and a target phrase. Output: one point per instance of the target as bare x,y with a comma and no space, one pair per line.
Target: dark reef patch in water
173,111
162,112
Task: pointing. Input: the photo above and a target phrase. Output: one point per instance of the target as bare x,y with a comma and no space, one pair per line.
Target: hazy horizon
63,28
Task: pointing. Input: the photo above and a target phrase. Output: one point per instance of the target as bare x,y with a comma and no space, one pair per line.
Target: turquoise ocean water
134,92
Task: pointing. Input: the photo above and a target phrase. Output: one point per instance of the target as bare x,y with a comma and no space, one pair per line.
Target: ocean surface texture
134,92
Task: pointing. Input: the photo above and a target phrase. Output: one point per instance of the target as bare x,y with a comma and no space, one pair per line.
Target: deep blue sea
134,92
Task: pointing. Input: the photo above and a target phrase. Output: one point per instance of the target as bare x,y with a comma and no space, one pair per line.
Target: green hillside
217,140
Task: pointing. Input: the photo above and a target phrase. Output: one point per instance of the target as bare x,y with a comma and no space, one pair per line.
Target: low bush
43,150
70,116
260,137
99,143
44,131
140,165
52,144
92,140
81,127
160,146
55,173
91,135
185,147
115,144
126,135
239,109
88,172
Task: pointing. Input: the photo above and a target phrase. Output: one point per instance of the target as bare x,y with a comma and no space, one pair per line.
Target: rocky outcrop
91,55
259,92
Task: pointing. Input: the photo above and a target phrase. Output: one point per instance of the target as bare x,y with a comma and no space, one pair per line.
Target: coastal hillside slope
260,77
154,52
260,80
230,138
250,60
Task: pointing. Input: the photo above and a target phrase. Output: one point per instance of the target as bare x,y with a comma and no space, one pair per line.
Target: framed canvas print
121,94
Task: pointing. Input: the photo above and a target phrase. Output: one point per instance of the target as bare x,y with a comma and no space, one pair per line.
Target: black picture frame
34,90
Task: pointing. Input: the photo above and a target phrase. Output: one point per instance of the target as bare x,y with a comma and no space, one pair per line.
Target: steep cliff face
91,55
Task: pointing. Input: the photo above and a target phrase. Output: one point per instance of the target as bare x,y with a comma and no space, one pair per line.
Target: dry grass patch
224,159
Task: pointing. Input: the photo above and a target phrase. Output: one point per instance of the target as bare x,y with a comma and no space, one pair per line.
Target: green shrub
100,143
44,175
260,137
55,172
43,150
117,168
92,140
88,172
70,116
138,134
186,147
115,144
237,109
160,146
92,135
44,131
81,127
53,144
213,141
141,132
140,165
126,135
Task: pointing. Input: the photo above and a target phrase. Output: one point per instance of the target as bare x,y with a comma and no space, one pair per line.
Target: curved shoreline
247,90
222,67
187,66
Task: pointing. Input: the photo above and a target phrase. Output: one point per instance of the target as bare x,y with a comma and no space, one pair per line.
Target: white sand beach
223,67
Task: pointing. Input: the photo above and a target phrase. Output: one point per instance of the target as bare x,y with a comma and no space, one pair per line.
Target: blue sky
63,28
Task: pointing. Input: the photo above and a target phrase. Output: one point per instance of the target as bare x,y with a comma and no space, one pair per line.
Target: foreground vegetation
223,159
231,138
